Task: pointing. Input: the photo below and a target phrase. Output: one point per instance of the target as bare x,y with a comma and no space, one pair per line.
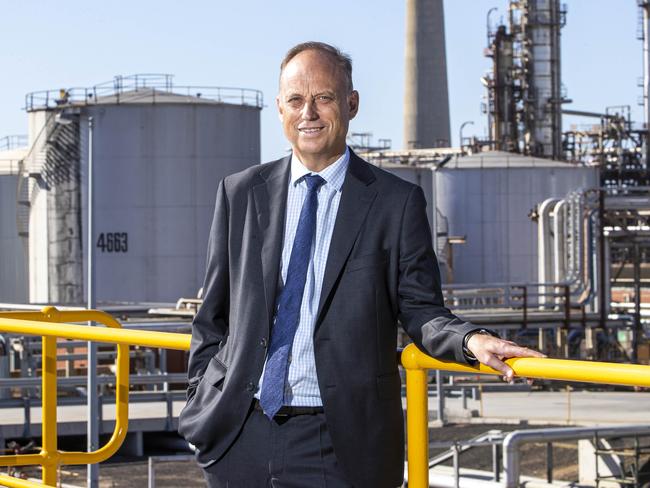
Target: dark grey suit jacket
381,270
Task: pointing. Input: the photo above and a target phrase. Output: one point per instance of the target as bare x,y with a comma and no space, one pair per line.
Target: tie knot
314,182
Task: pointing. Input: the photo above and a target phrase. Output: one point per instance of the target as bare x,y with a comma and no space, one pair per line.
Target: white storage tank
159,151
487,199
13,259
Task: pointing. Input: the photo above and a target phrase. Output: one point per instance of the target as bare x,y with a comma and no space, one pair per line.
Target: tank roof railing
151,82
8,143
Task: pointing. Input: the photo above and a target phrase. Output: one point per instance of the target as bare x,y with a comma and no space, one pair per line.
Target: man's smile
310,130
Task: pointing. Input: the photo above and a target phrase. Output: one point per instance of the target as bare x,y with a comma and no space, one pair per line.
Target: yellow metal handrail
47,324
416,363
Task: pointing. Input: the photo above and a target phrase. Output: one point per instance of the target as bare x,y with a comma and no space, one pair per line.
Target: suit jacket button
250,386
263,342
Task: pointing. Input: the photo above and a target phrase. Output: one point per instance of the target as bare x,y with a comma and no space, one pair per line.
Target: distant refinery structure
524,90
560,214
542,231
534,206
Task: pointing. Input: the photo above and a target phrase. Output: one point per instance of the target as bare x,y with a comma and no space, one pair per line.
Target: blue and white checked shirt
302,385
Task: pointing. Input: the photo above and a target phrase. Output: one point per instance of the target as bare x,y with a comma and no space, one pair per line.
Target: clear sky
51,45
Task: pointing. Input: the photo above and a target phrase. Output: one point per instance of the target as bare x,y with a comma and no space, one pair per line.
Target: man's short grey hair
341,59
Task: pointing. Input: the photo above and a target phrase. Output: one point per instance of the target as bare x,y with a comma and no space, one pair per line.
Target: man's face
315,108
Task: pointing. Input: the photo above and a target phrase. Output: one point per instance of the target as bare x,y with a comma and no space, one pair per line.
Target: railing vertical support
549,462
417,425
151,474
496,462
456,466
440,396
525,297
49,452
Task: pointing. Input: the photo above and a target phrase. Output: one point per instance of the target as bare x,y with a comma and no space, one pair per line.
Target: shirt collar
333,175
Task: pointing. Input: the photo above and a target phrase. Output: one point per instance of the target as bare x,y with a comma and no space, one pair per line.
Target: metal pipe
547,368
456,464
71,381
514,440
603,307
151,474
549,462
638,327
440,396
417,415
460,133
49,451
92,475
544,246
496,462
559,241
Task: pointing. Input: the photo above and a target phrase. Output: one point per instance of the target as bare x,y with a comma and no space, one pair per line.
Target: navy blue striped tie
289,301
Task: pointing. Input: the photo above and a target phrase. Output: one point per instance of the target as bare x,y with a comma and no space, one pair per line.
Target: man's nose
309,111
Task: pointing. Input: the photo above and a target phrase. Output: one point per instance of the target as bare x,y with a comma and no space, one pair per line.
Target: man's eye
324,98
295,101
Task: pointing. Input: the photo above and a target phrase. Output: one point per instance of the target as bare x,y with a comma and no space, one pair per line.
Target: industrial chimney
426,100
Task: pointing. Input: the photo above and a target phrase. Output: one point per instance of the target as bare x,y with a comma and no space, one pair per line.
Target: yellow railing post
49,431
417,421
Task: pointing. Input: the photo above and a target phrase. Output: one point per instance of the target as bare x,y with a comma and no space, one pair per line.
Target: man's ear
353,103
279,105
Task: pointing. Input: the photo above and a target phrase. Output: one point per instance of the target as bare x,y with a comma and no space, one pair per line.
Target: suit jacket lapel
271,201
357,195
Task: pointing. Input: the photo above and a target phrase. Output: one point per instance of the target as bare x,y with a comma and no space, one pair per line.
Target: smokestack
426,100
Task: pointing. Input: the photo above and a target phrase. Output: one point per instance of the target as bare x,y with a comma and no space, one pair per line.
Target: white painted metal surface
488,198
158,161
13,261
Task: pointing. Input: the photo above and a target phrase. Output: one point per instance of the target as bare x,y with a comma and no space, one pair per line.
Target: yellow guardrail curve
51,324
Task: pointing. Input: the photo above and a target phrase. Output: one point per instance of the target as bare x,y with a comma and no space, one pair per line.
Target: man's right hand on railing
492,352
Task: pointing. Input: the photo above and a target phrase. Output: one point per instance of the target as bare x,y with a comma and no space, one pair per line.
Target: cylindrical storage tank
488,199
13,261
158,153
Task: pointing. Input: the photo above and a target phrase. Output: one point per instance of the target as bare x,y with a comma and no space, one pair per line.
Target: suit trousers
286,452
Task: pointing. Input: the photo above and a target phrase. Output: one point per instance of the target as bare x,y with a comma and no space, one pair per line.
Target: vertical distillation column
542,29
504,127
426,99
645,7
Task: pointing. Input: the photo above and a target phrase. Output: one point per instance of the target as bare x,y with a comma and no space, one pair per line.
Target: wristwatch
468,354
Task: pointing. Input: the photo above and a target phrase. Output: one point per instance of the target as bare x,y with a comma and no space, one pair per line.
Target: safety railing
416,363
126,88
51,324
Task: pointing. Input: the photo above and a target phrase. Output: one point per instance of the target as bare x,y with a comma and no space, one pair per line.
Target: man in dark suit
313,260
